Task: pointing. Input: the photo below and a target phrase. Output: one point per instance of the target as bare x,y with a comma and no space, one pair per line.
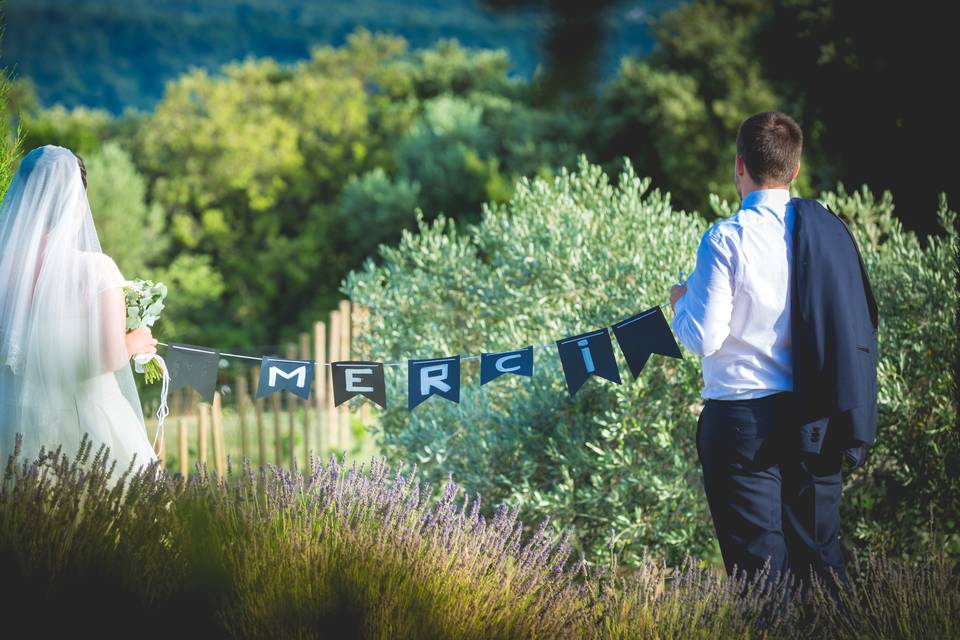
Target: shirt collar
766,197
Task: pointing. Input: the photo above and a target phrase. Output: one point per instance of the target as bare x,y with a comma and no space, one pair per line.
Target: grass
368,552
363,446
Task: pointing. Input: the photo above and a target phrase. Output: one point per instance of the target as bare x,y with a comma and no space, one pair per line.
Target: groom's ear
741,166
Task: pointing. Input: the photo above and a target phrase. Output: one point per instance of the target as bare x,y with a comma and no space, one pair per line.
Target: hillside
119,53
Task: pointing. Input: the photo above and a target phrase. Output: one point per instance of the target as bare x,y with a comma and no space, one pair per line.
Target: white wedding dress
64,369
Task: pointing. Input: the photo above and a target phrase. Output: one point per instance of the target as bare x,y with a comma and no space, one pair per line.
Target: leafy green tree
272,171
861,88
11,140
374,209
81,130
246,166
10,133
676,113
448,153
131,231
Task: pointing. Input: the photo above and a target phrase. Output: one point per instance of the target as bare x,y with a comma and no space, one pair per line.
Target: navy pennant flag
295,376
359,379
192,366
585,355
436,376
494,365
644,334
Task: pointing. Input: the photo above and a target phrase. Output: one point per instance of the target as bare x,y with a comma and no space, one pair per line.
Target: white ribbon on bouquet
140,361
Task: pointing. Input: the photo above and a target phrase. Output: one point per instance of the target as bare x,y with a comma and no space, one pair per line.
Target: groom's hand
676,292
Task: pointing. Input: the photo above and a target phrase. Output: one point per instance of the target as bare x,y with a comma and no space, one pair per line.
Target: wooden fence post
320,383
360,326
219,460
292,401
307,417
345,436
333,436
203,419
258,408
242,414
184,462
277,442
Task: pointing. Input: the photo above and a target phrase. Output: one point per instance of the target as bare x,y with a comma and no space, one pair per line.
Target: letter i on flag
437,376
359,379
494,365
644,334
295,376
586,355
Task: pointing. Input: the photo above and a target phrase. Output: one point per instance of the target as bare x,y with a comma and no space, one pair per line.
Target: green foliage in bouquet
619,463
144,299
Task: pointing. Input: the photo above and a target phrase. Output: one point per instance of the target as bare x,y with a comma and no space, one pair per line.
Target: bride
64,349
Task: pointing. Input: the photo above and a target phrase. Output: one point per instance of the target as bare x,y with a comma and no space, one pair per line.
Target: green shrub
561,258
910,485
619,463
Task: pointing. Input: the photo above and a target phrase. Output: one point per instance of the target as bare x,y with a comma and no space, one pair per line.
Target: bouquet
144,300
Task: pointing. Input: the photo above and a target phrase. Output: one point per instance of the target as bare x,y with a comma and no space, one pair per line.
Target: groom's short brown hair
770,144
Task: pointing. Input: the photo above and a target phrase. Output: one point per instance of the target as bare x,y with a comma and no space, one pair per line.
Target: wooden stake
277,443
242,401
258,407
219,459
182,436
307,417
345,436
292,402
333,436
203,415
361,324
320,384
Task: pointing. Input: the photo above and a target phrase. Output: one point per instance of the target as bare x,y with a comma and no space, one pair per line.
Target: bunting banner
494,365
359,379
191,366
641,335
295,376
581,356
586,355
437,376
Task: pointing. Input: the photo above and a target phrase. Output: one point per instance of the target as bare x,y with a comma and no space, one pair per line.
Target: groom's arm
702,315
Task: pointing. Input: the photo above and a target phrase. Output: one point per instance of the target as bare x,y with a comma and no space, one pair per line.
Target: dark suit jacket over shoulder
833,332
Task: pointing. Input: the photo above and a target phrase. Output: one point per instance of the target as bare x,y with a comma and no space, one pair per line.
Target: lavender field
370,552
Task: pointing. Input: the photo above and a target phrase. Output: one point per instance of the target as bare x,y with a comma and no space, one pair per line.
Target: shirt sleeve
702,315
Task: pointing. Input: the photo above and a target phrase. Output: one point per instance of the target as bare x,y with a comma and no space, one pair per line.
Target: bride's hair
83,170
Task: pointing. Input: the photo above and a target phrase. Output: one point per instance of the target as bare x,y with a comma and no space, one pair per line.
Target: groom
781,311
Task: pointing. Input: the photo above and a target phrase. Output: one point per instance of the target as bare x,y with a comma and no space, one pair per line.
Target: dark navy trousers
767,499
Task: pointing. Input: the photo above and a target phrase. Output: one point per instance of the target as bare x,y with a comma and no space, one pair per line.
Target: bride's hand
140,341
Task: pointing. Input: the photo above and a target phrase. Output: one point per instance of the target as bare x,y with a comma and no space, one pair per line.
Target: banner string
545,345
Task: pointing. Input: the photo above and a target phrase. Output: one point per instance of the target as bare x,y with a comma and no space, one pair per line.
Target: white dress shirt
736,311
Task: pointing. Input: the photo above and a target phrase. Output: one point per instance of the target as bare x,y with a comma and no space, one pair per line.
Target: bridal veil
63,360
